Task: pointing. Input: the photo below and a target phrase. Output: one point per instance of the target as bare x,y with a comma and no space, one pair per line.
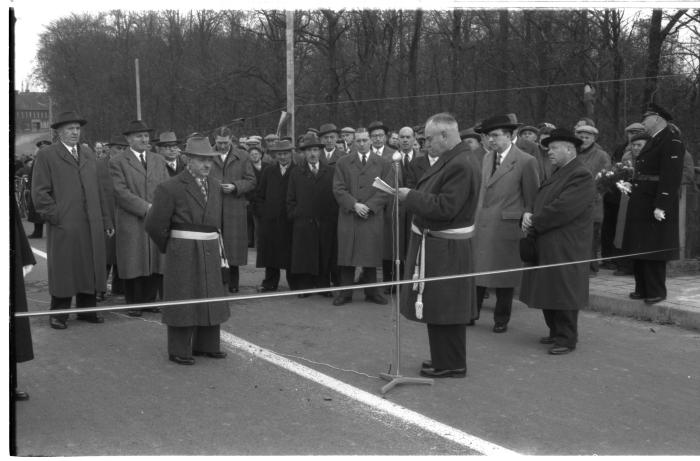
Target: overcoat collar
372,158
507,165
193,189
68,157
561,172
135,163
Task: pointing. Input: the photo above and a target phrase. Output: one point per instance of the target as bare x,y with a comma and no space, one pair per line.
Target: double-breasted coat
236,169
21,347
446,197
563,226
360,241
656,184
192,267
505,195
314,212
134,188
67,196
275,232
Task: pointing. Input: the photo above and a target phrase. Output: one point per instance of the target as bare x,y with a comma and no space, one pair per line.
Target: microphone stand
396,378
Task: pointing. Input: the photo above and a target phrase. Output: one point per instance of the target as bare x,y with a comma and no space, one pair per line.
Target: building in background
32,111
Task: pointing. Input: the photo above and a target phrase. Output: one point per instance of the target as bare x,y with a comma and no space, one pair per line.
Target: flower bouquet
617,177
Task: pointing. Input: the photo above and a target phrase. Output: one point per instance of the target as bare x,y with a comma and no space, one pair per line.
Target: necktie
143,160
496,162
74,153
406,160
314,169
203,186
364,159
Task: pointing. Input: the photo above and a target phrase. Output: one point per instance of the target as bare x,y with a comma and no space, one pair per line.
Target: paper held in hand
383,186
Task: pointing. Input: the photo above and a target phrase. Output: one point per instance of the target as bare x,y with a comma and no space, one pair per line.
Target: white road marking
39,253
448,432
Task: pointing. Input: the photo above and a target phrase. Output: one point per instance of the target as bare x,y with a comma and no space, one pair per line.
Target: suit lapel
504,168
193,189
135,164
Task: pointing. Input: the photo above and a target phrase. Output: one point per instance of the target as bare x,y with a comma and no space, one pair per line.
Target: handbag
528,249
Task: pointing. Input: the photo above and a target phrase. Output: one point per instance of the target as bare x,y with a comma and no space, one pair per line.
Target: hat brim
148,130
176,141
572,139
488,129
322,133
286,149
64,122
309,146
202,154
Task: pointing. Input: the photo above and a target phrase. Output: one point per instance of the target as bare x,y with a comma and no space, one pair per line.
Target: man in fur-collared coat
444,205
184,223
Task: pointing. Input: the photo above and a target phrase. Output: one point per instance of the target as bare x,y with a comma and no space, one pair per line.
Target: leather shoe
546,340
262,289
635,295
340,300
182,360
21,395
560,350
232,290
213,355
654,300
91,318
376,299
58,324
500,328
134,313
427,364
432,373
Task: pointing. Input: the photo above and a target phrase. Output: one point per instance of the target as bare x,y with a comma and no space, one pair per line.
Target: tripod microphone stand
396,378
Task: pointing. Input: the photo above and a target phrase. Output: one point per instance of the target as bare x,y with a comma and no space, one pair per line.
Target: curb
665,312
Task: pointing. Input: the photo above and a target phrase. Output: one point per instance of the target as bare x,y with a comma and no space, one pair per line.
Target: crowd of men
173,218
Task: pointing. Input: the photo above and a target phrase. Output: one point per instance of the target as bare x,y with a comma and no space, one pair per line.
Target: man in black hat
184,222
328,133
314,212
168,146
66,194
562,224
652,212
136,174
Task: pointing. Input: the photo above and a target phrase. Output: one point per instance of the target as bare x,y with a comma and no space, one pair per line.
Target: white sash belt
461,233
194,235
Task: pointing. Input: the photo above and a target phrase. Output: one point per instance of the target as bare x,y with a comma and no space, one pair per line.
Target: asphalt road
630,387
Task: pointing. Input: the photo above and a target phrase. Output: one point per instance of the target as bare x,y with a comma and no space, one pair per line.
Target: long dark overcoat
236,170
360,241
32,215
275,237
661,157
595,159
446,197
505,195
313,209
22,349
192,267
563,223
134,188
68,197
110,201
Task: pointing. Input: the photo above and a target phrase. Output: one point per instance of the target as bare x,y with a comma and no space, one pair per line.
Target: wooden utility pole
290,75
138,91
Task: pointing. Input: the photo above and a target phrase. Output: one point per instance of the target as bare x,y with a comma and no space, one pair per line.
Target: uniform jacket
563,223
360,241
314,212
192,267
505,195
275,231
134,187
236,170
595,159
21,347
446,197
662,156
67,196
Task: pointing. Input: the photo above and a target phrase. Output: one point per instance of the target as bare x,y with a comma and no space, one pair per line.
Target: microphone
396,157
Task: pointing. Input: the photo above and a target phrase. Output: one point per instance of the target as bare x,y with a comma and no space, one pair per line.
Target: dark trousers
142,289
233,277
81,300
309,281
649,278
117,283
183,340
388,270
607,230
347,276
448,346
504,304
38,230
272,278
250,220
595,246
563,326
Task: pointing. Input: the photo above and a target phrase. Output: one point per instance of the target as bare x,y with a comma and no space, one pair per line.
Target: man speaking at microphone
444,206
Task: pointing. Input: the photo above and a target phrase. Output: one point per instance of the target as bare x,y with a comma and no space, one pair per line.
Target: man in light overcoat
509,183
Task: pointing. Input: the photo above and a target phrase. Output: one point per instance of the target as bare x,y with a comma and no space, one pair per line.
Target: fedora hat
655,109
562,134
499,121
167,137
310,140
469,133
281,146
43,142
327,128
199,146
68,117
117,140
377,125
137,126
